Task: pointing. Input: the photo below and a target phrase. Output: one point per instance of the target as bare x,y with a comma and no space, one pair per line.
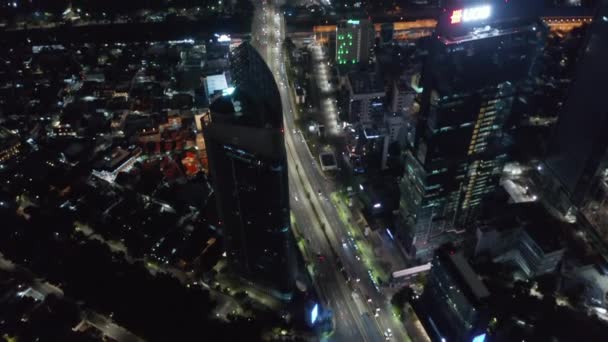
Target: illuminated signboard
479,338
314,314
353,22
222,38
228,91
470,14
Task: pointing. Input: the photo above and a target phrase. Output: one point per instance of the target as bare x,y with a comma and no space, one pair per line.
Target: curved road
313,211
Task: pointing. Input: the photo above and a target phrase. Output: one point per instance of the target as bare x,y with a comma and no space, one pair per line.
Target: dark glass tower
480,57
455,299
248,166
578,150
580,142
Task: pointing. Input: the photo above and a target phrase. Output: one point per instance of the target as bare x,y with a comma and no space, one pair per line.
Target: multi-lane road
360,309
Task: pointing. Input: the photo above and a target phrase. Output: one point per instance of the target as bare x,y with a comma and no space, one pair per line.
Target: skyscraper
248,167
365,98
354,40
387,31
455,299
578,150
480,56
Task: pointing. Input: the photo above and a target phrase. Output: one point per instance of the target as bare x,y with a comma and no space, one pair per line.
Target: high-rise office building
578,151
387,31
248,166
401,97
479,58
354,41
455,300
366,98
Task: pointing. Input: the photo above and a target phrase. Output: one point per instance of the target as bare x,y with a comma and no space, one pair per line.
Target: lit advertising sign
222,38
228,91
470,14
479,338
314,314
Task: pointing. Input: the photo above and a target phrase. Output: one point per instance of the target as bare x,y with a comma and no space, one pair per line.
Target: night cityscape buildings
354,40
456,299
247,162
408,170
474,72
577,162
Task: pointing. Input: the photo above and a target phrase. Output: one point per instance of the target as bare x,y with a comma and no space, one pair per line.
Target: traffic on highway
346,286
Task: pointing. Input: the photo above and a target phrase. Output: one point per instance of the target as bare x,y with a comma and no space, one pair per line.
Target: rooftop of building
238,107
403,85
372,133
538,222
545,238
113,160
352,23
215,83
328,159
246,122
362,82
7,138
461,271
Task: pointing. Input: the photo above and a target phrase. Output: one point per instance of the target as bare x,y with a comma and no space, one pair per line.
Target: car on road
388,334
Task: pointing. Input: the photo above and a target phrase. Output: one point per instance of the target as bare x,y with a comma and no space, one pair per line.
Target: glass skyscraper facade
472,75
577,161
454,299
248,167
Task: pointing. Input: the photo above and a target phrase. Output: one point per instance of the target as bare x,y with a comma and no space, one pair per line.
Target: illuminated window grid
485,122
345,42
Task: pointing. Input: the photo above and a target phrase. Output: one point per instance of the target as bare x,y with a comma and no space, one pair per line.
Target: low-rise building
528,237
119,160
10,145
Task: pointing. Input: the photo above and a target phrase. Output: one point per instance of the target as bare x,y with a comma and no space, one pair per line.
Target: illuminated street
303,170
328,106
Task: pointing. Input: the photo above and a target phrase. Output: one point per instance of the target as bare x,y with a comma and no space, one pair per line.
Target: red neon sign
456,16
